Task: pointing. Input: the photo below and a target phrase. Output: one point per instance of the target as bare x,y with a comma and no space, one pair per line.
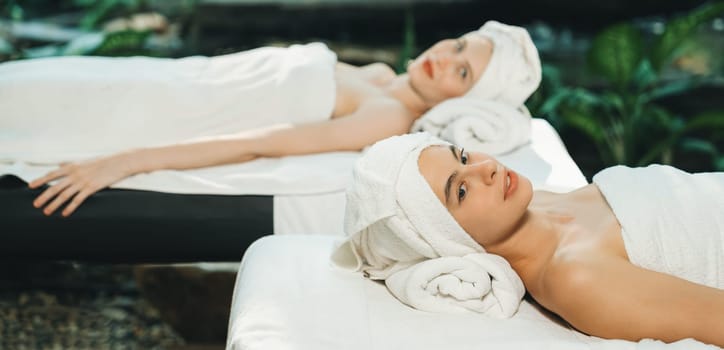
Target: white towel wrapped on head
396,223
514,70
478,125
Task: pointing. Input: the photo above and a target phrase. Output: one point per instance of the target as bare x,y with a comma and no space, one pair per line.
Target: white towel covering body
73,108
478,125
671,221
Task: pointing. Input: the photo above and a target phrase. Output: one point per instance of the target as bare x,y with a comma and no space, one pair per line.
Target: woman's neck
400,89
537,237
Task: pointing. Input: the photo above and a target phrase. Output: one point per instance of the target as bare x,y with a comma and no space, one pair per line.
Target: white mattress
288,296
544,161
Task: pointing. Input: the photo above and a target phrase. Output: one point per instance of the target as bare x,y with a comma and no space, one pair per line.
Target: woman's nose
445,59
485,169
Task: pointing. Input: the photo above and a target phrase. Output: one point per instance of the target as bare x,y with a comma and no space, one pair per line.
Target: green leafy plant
96,11
625,119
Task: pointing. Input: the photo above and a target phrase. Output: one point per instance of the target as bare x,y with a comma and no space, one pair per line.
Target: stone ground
59,305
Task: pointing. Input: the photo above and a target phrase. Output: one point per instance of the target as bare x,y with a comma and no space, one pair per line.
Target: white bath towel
480,283
478,125
671,221
73,108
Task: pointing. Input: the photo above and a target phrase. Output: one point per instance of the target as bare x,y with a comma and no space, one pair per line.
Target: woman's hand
76,182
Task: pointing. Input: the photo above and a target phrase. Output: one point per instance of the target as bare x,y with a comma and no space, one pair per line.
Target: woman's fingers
77,181
77,200
61,198
50,192
62,171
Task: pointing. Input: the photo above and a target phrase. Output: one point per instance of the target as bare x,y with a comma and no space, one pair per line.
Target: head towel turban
514,70
400,231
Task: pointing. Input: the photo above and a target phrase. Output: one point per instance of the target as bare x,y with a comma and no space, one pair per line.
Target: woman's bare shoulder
379,73
376,73
569,273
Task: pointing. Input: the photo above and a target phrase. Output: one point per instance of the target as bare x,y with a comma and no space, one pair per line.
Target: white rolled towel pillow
481,283
478,125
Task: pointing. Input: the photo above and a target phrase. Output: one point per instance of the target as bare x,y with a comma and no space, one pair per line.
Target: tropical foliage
625,118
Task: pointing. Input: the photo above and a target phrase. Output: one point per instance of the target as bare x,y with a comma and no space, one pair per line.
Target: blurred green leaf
6,48
656,143
581,117
100,10
551,77
719,164
680,86
84,45
615,53
699,146
43,51
16,12
666,48
122,43
612,101
657,117
84,3
708,120
644,76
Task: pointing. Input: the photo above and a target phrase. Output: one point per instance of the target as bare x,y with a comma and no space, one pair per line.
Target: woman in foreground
639,253
268,102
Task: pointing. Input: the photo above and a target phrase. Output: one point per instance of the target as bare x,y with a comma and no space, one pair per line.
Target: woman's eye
461,192
463,72
463,157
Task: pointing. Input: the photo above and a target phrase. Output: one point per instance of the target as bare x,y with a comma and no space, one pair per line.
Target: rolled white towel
478,125
480,282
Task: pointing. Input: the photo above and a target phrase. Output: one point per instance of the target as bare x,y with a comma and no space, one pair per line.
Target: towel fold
477,125
479,282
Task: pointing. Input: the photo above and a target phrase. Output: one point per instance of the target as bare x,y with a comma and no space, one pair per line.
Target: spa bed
289,296
122,225
133,226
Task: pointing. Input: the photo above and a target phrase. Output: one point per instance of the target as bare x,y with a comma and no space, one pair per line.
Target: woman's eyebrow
451,178
454,151
464,43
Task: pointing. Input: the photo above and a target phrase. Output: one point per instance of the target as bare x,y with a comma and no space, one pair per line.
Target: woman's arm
612,298
373,121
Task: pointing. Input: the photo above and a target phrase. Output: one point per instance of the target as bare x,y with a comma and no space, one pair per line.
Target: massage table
135,226
289,296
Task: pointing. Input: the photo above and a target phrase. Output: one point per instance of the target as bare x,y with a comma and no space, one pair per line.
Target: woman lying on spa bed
364,105
638,253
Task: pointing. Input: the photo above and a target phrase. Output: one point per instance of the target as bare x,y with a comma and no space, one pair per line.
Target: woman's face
485,198
449,68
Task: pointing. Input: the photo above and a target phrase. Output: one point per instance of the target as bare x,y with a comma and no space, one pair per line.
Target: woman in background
104,119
